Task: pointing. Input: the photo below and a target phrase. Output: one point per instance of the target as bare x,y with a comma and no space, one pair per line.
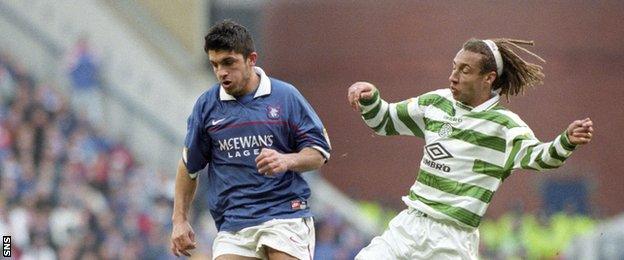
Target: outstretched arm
182,235
529,153
402,118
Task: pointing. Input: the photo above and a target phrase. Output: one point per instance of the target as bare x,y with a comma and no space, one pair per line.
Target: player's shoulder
436,96
285,90
209,95
442,93
207,99
504,112
282,87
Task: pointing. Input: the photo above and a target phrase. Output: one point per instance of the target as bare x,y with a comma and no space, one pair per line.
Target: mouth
226,84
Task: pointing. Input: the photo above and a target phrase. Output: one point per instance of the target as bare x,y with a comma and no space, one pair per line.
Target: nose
221,73
453,77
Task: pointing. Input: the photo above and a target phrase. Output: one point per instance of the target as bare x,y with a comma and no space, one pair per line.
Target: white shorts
413,235
292,236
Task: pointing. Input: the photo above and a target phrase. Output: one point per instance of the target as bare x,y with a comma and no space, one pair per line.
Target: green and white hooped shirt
468,151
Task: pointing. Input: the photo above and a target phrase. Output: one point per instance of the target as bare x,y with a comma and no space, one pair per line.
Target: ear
252,58
489,78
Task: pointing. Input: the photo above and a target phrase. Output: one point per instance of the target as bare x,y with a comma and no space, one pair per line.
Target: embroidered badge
298,204
446,130
273,112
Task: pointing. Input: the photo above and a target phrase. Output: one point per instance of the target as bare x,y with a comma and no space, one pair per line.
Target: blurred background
94,97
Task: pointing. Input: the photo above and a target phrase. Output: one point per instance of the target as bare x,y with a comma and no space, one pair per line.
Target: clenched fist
580,131
359,91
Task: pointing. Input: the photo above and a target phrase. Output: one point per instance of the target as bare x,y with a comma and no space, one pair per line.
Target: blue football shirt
227,134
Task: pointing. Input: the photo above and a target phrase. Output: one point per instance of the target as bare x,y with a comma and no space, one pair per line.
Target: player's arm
402,118
185,188
182,236
271,162
529,153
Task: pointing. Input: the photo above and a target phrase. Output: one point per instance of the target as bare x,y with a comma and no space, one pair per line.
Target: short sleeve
308,128
197,152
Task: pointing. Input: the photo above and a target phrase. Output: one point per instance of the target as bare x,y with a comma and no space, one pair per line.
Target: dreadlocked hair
518,74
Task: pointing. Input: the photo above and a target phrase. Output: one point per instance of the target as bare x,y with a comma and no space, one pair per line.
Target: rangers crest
273,112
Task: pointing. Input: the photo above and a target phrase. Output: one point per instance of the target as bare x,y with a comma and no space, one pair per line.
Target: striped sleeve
402,118
527,152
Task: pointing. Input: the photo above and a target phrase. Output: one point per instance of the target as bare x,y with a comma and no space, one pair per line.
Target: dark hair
518,75
229,36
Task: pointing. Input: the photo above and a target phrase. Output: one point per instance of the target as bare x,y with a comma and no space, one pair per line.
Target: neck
252,83
483,96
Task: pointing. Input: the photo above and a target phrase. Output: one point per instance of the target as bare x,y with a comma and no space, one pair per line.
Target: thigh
446,241
379,249
275,254
229,245
287,238
394,243
460,244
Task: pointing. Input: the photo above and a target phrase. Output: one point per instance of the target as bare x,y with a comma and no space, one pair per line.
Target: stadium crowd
518,235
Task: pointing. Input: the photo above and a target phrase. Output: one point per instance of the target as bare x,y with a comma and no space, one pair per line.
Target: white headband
497,56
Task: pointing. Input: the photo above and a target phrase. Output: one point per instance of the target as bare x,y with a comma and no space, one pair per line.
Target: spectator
83,69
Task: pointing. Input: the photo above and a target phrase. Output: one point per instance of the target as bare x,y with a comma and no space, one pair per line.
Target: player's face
468,85
233,71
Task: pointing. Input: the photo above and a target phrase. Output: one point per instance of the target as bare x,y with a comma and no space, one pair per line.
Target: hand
359,91
271,162
182,238
580,131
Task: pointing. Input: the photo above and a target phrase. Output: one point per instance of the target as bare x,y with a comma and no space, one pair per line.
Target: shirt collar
263,89
490,103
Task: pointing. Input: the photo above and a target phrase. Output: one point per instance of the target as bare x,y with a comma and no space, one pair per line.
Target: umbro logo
437,152
215,122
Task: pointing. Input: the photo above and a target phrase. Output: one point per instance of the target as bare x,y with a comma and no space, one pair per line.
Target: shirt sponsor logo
245,145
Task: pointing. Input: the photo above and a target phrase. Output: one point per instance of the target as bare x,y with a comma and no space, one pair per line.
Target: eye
228,62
